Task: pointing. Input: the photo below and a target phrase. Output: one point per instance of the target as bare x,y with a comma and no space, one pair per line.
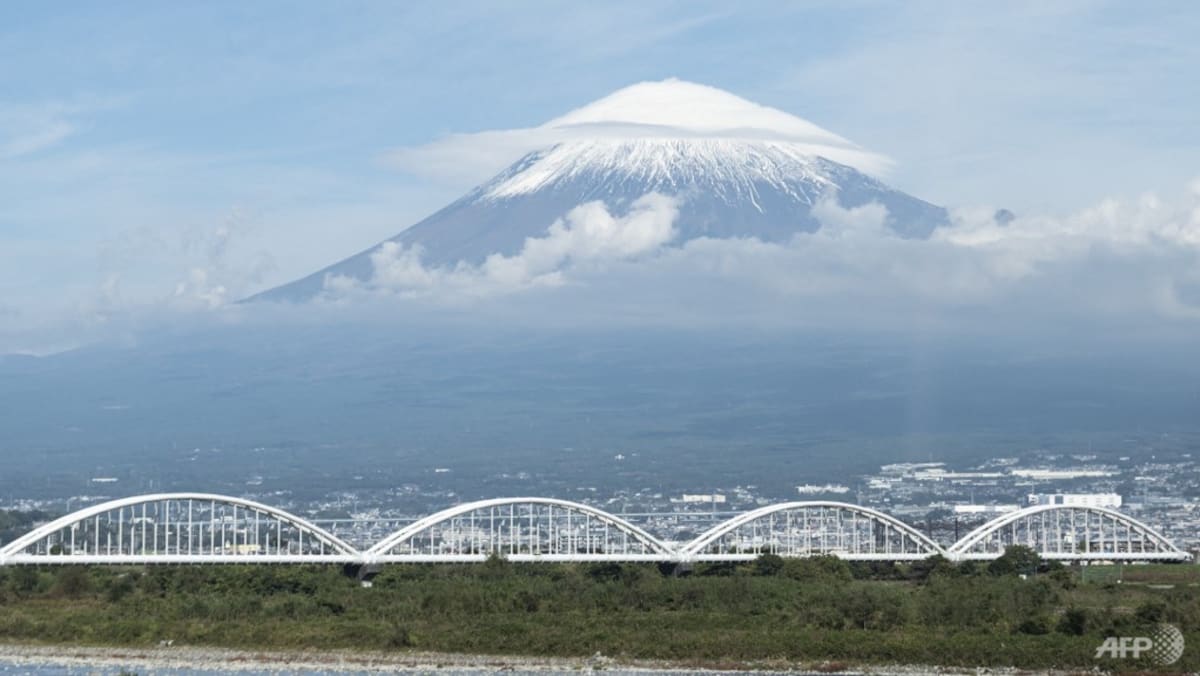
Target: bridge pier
363,572
675,568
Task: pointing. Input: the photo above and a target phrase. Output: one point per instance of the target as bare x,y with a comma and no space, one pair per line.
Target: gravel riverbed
185,661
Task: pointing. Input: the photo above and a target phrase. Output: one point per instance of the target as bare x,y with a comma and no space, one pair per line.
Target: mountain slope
756,181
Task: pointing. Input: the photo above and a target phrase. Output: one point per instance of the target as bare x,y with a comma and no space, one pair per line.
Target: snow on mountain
737,168
730,168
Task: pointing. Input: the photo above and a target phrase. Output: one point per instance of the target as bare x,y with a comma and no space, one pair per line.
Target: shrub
922,570
1036,626
768,564
1073,622
72,582
822,568
117,588
1151,612
604,572
1016,560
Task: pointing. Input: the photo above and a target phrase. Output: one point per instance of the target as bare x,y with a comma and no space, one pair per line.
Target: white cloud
868,220
468,158
29,128
1121,263
588,234
204,265
33,138
1126,269
667,109
199,288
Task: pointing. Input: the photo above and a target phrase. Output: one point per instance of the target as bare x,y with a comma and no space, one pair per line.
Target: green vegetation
764,611
16,524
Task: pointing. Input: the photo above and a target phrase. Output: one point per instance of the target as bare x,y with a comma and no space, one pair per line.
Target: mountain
738,168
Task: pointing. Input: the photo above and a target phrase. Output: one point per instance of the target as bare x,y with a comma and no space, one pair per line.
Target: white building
1110,500
909,467
1061,474
813,489
938,474
984,509
705,498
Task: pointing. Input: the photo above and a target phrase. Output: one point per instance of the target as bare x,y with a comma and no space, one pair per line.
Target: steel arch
14,552
550,529
657,549
926,547
1165,549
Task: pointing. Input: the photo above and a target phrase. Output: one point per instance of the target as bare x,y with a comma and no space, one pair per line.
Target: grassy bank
800,610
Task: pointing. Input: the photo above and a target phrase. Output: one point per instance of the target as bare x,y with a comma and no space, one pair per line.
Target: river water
141,670
49,668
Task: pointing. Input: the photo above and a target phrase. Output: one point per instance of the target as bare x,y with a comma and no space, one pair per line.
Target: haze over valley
676,275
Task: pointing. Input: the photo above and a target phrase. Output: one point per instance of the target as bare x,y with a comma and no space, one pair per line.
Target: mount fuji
737,169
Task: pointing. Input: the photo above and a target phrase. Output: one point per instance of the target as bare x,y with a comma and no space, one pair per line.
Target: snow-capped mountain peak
728,168
737,169
677,110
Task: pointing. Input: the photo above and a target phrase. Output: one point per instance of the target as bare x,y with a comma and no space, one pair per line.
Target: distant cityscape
943,500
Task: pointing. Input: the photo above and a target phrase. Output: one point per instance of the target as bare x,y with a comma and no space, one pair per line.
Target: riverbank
205,659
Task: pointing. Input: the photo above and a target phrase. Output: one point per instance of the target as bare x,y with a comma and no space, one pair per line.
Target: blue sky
139,138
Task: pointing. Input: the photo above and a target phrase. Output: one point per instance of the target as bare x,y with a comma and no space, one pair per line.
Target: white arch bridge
190,528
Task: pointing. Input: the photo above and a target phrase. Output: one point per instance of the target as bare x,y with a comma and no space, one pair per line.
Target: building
813,489
938,474
984,509
1062,474
705,498
1109,500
